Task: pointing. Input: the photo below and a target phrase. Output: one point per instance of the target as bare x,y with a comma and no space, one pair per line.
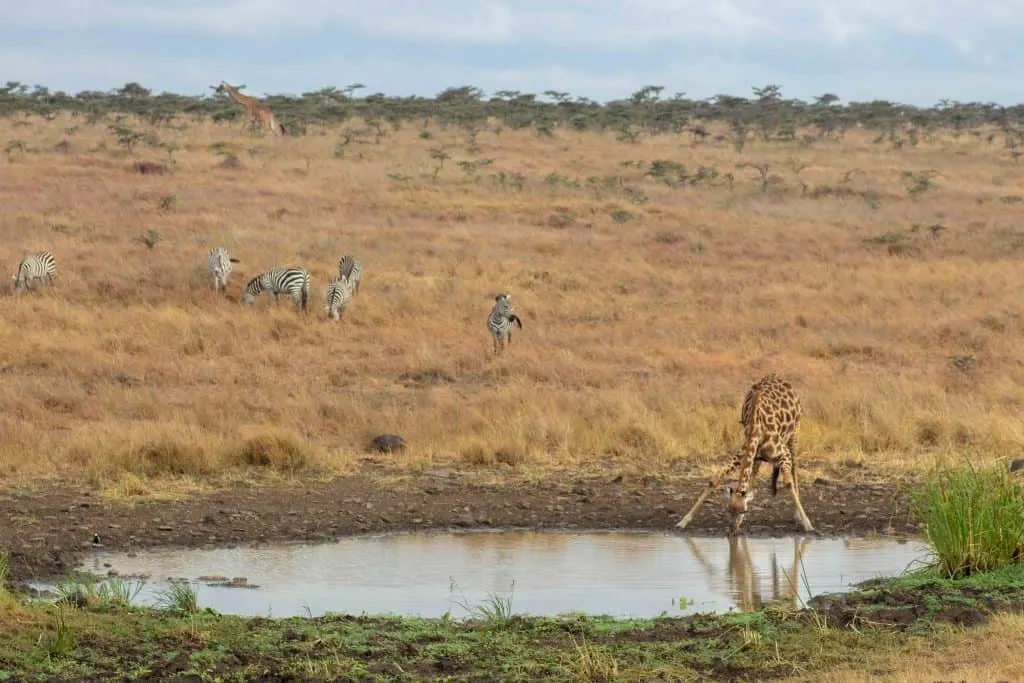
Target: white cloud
484,22
72,72
596,48
593,23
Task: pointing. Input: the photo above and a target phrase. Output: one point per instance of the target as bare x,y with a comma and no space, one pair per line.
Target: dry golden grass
989,653
642,330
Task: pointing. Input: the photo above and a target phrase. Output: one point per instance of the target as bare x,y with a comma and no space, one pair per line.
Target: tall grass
61,642
179,596
648,308
593,664
494,610
974,518
5,571
111,593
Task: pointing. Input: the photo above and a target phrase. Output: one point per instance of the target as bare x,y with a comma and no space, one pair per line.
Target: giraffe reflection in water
742,580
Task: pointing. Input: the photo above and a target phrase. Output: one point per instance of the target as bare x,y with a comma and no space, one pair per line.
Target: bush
170,457
281,452
974,520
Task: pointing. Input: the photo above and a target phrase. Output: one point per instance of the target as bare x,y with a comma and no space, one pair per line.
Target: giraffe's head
739,499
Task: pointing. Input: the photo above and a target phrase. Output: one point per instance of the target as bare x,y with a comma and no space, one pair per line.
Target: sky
908,51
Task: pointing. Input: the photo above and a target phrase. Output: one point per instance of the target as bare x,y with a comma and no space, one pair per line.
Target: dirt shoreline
47,530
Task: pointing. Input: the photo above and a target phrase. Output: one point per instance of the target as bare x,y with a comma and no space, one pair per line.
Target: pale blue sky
910,51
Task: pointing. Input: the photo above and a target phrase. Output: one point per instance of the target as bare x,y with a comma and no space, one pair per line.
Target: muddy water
544,573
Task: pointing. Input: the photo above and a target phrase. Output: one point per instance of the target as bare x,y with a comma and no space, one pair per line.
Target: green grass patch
111,593
1008,577
974,519
111,640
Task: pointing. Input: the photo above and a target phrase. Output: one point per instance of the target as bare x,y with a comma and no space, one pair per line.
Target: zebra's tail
305,292
515,319
234,260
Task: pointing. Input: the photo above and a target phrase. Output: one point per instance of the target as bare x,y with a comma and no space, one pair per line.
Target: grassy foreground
961,615
884,281
900,629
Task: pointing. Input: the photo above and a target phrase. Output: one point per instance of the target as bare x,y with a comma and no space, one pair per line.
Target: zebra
339,293
350,269
499,322
33,267
219,264
276,281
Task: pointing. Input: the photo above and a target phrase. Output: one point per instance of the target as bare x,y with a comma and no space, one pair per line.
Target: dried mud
48,528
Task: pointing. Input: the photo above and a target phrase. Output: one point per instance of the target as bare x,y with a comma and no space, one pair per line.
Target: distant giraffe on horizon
258,115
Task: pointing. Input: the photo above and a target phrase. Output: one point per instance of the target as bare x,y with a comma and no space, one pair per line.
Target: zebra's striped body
500,321
339,293
34,267
219,264
351,270
277,281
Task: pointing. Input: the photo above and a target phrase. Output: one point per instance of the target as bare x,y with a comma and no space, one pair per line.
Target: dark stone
387,443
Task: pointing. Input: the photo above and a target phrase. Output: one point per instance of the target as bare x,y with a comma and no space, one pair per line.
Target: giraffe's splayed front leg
789,481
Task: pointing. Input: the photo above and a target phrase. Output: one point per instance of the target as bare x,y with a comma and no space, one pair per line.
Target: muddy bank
47,529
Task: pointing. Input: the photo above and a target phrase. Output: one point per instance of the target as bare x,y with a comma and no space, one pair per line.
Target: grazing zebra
499,322
276,281
219,264
33,267
339,293
351,270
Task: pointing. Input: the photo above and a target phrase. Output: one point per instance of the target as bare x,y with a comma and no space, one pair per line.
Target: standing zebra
499,322
276,281
339,293
219,264
34,267
351,270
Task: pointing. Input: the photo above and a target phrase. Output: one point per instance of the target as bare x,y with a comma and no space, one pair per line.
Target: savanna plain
657,276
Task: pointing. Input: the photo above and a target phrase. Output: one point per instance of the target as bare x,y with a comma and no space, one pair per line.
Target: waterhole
624,574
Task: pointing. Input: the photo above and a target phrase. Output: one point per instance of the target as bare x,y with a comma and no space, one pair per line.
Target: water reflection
744,582
618,573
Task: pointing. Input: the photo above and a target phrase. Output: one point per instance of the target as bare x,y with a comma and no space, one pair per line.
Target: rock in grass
387,443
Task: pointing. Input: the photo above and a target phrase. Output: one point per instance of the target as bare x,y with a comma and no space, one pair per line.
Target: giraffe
770,418
742,580
257,115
